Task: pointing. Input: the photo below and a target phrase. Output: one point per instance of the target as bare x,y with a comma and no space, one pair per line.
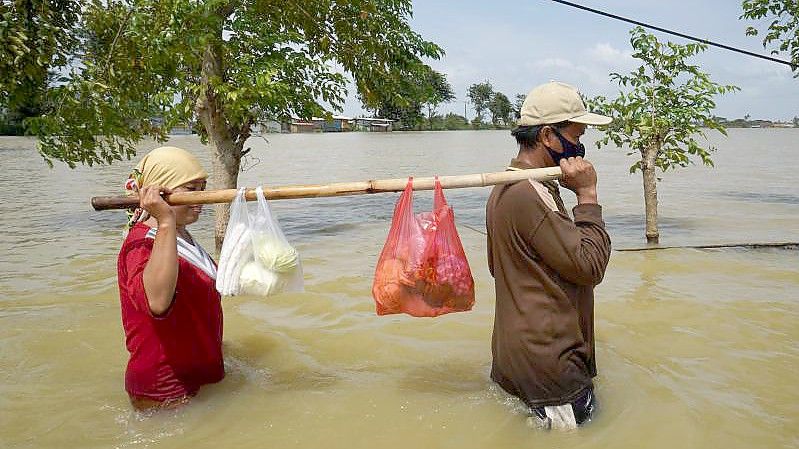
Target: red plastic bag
422,270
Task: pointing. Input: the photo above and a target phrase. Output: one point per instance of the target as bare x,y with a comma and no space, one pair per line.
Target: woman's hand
150,199
579,176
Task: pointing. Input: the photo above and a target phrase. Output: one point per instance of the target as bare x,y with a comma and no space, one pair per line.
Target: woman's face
185,215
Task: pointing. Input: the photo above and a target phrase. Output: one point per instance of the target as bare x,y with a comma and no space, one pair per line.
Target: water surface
696,348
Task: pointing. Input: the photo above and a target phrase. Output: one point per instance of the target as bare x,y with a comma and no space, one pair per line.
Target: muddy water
696,348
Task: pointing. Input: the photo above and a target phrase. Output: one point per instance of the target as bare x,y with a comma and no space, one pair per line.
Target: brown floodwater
696,348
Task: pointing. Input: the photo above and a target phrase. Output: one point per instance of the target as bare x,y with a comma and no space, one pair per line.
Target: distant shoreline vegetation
447,122
747,122
456,122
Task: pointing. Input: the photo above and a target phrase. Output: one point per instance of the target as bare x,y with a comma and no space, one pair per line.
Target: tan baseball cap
556,102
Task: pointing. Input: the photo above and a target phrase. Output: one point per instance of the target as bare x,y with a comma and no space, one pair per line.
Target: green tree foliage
501,109
223,65
38,37
664,105
783,29
480,95
438,91
407,113
517,105
424,89
454,122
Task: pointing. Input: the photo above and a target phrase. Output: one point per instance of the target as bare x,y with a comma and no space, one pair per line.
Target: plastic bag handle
238,207
406,200
438,196
403,210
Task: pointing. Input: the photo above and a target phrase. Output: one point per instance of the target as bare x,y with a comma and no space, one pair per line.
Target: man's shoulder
544,194
527,193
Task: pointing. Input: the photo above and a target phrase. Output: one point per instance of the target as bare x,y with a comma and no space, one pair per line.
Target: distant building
178,130
336,123
296,125
181,130
374,124
267,126
761,124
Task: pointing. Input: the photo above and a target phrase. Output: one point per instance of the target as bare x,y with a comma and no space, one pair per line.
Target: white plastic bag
236,249
256,258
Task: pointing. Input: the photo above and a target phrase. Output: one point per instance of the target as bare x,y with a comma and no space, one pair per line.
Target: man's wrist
587,196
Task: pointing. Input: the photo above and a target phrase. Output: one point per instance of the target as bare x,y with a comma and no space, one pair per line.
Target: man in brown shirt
546,265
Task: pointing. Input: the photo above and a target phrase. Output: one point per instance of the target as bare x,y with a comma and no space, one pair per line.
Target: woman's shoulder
138,235
141,230
135,249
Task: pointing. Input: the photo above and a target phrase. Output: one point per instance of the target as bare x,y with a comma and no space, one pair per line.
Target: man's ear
548,138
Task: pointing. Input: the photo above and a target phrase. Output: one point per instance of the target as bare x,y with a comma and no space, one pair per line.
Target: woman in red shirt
171,311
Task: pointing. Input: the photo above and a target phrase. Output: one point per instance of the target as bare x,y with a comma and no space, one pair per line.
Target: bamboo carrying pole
337,189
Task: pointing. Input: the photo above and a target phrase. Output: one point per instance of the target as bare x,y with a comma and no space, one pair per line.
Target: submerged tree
454,121
517,105
438,91
501,109
222,65
405,109
480,95
424,89
783,28
663,108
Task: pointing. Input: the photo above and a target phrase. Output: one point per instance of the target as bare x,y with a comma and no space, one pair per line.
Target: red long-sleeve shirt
171,355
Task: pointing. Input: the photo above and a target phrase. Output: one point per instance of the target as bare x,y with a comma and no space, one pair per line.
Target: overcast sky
517,44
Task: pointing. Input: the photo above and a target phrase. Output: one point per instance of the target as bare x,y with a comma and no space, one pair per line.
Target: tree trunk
226,141
226,163
650,192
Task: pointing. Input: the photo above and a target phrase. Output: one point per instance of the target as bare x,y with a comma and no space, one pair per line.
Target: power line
698,39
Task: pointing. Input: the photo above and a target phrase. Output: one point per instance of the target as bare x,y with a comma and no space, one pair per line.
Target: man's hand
579,176
150,199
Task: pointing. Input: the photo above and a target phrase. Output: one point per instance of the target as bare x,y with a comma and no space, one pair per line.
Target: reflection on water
757,197
696,348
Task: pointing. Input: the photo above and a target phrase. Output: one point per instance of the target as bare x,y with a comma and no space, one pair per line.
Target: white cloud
550,63
607,54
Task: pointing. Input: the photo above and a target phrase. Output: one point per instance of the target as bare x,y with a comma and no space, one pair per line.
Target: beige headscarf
170,167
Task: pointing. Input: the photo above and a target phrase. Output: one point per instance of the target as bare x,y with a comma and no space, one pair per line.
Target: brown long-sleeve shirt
545,267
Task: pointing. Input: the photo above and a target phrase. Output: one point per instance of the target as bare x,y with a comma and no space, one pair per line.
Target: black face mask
569,149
